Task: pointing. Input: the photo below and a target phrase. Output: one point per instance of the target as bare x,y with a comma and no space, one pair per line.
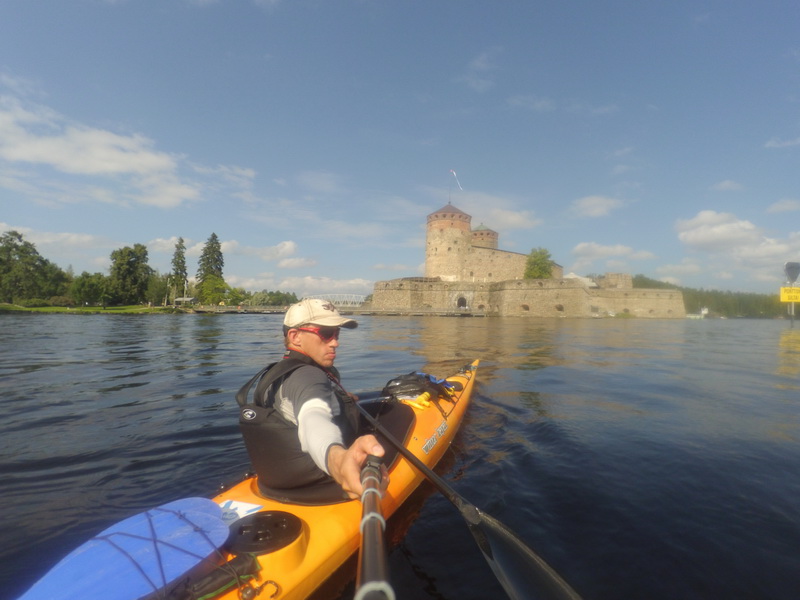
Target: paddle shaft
486,529
373,568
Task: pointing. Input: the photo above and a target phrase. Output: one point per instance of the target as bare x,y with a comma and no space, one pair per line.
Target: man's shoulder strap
267,376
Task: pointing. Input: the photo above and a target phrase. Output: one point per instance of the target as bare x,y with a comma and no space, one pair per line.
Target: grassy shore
136,309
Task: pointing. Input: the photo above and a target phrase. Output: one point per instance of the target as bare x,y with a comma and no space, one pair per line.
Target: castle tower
483,237
448,240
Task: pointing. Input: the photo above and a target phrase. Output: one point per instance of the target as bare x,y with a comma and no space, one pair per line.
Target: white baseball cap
313,311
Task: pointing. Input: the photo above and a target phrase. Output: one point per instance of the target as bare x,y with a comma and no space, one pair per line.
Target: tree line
28,279
719,303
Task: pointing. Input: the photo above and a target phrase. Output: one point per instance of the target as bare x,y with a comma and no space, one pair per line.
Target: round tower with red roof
448,241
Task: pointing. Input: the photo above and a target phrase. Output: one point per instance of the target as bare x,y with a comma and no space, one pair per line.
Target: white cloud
477,75
66,248
732,247
686,267
195,249
727,186
587,253
784,205
591,110
595,251
164,244
282,250
320,182
620,169
296,263
595,206
54,161
717,232
309,286
395,267
532,102
778,143
40,136
263,281
501,219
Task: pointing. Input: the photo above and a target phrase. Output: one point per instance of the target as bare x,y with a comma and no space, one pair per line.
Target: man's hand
345,465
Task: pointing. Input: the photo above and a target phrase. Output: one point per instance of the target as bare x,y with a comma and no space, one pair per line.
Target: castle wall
408,295
622,281
526,297
654,303
486,264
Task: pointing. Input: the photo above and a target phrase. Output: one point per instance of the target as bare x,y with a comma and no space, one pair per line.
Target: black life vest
284,471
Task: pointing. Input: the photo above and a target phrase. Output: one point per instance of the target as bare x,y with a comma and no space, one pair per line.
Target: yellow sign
790,294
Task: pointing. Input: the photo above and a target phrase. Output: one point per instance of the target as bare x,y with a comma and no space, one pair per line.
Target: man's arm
344,465
317,431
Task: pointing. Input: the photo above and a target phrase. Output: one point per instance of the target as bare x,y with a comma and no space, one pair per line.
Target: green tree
721,303
211,259
539,264
25,274
90,288
158,289
212,290
211,287
237,296
130,274
180,275
266,298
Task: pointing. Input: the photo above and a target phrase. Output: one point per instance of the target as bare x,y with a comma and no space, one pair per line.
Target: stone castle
466,272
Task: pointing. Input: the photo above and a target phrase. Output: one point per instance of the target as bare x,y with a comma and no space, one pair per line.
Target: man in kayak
302,431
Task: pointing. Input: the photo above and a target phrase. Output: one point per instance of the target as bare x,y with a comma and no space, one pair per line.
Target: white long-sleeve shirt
307,399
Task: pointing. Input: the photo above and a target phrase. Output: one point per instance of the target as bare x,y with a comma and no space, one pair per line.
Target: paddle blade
523,574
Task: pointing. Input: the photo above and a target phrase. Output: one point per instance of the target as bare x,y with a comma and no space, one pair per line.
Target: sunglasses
326,334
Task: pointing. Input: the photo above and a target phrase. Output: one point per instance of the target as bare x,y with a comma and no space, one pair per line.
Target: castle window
525,307
560,307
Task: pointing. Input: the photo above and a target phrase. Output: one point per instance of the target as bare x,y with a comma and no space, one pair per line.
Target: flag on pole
456,176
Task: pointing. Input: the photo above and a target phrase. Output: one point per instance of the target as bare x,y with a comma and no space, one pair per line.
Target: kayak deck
327,535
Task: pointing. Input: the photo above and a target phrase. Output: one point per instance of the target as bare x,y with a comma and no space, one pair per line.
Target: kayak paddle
373,570
522,573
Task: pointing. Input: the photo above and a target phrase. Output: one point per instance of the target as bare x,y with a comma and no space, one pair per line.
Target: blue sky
314,137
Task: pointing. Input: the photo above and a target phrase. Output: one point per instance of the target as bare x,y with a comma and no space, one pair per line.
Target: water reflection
789,357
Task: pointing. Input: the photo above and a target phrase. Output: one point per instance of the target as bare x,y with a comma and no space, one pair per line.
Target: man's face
319,343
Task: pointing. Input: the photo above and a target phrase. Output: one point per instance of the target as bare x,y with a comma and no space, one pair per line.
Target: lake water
640,458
